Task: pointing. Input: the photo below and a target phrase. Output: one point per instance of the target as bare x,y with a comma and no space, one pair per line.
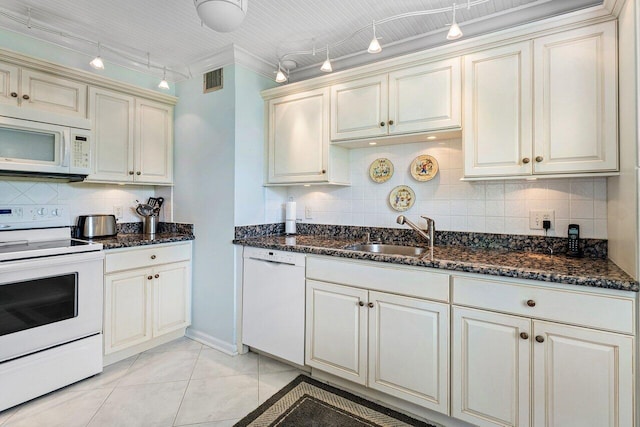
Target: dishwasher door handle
271,262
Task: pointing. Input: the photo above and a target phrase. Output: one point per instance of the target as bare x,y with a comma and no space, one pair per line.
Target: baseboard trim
212,342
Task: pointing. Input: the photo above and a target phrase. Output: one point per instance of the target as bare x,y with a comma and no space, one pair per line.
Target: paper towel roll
290,212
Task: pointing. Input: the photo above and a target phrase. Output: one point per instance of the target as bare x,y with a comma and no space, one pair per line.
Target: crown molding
527,14
614,6
92,79
465,46
230,55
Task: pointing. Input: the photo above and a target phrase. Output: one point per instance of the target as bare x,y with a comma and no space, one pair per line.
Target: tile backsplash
500,206
81,198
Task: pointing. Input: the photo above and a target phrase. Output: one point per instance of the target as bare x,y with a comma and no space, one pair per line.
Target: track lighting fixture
374,46
280,76
326,66
97,62
164,84
454,31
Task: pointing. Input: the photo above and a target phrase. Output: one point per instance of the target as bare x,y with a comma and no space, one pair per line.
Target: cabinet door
9,75
336,330
112,115
576,101
299,137
127,311
498,112
581,377
53,94
171,297
359,109
408,349
491,368
153,142
425,98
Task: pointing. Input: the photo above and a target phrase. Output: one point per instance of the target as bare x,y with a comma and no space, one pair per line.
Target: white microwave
30,148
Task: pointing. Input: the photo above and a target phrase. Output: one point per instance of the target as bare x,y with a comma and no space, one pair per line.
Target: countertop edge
455,265
142,241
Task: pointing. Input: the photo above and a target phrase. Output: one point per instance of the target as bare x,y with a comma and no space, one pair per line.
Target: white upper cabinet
153,148
37,90
113,122
498,111
551,116
359,108
9,75
425,98
576,101
133,138
417,99
298,141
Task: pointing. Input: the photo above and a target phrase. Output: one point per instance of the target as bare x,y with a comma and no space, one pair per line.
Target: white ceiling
170,30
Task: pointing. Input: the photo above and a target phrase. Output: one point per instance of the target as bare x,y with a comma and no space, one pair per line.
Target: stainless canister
150,224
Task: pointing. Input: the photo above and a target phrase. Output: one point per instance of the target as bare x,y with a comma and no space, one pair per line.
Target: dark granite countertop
594,272
130,240
130,235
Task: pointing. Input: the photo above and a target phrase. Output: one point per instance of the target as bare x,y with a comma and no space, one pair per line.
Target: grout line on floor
175,417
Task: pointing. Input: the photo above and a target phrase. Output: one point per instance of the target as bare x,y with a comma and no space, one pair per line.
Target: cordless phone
573,241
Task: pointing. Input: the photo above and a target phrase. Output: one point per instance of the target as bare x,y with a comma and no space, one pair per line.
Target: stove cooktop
24,244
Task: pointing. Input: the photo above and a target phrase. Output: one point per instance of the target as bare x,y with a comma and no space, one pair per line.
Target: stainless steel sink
380,248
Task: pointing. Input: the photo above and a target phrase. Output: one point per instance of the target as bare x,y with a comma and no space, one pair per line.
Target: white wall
488,206
623,190
203,195
250,199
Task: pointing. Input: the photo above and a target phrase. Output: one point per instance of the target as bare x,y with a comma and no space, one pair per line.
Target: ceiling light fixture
454,31
114,52
164,84
97,62
280,76
374,47
326,66
221,15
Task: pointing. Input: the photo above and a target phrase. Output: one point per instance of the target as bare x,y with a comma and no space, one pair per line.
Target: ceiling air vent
212,80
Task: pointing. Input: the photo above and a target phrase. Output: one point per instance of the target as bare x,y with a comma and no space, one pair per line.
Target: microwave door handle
65,151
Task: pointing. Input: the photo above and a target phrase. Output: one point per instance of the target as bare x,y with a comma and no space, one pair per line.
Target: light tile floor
181,383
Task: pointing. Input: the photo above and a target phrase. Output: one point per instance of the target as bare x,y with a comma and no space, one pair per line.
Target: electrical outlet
118,211
536,218
308,212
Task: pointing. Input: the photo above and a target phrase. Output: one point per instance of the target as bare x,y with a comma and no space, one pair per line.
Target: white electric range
51,299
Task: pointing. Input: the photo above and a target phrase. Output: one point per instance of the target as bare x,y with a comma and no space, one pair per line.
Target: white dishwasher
273,302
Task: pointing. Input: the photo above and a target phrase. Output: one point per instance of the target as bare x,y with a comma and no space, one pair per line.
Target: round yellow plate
424,168
402,198
381,170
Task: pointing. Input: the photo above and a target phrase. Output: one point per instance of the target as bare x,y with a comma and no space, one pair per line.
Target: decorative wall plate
381,170
402,198
424,168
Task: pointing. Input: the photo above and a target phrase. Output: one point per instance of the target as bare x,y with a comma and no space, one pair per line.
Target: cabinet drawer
384,277
614,313
146,257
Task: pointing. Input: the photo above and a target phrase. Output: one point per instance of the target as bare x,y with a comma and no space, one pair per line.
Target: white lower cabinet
149,301
521,371
490,379
354,334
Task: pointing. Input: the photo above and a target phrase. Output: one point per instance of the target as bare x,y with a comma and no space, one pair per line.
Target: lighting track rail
97,63
374,47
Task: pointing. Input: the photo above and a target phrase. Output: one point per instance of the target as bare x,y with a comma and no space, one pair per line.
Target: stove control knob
42,211
55,212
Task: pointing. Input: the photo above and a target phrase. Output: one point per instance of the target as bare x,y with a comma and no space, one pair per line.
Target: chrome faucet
428,235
